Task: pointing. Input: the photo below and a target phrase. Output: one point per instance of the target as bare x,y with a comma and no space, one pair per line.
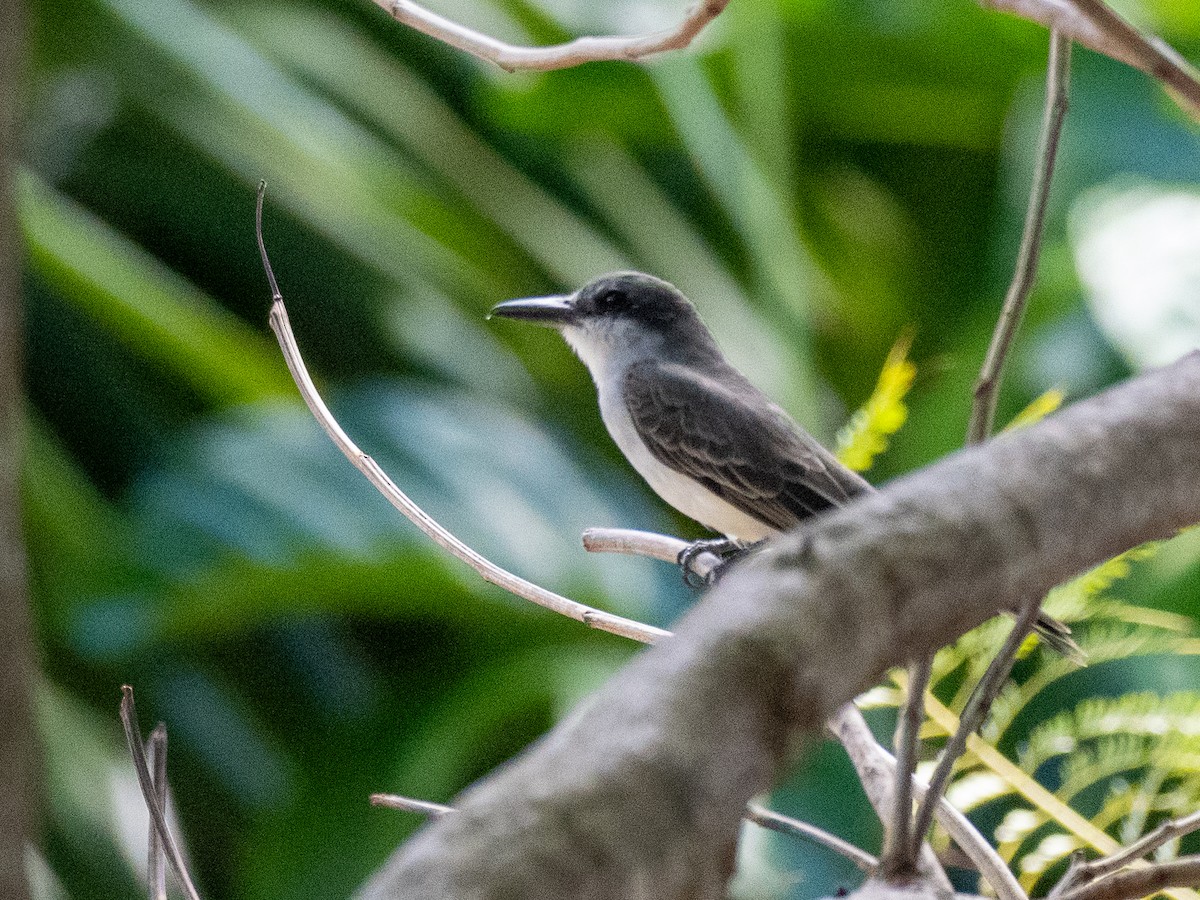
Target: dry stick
489,571
560,56
1141,882
983,411
782,824
984,408
158,817
156,873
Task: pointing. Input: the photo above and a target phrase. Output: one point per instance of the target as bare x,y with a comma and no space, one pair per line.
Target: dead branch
560,56
647,784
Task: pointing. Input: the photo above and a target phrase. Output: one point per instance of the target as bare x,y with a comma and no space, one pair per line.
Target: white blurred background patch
1137,249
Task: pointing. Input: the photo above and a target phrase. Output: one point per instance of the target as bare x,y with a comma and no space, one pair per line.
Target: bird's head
625,314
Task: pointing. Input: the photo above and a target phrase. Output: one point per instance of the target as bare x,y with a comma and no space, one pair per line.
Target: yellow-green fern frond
1037,410
866,435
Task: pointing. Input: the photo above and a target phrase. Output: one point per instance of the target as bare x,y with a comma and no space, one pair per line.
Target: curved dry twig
1082,872
511,57
489,571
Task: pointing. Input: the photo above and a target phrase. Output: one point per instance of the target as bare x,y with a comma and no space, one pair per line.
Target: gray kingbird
707,441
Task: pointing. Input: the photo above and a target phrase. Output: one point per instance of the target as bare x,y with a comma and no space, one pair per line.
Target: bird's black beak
553,311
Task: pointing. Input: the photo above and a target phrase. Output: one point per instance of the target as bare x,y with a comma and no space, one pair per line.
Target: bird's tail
1057,636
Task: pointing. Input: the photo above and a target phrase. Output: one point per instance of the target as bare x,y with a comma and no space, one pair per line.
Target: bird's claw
725,549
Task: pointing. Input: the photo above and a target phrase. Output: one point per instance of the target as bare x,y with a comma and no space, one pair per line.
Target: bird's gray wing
726,435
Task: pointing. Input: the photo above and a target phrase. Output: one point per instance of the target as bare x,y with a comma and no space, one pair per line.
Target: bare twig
755,813
978,707
1082,872
1096,26
560,56
489,571
987,387
408,804
900,853
156,872
158,816
760,815
1140,881
876,770
647,543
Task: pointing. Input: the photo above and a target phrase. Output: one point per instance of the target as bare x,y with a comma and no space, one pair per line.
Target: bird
706,440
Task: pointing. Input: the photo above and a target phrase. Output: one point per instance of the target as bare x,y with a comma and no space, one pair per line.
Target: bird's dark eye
612,301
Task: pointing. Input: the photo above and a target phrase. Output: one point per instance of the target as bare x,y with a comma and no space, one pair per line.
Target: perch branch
632,542
983,412
560,56
489,571
646,785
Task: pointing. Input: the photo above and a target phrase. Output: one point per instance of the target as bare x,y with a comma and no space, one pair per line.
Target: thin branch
876,770
987,387
1141,881
755,813
408,804
158,816
1082,872
766,818
900,854
156,872
632,542
977,710
560,56
489,571
1096,26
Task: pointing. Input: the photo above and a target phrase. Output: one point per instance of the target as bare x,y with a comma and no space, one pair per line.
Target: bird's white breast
608,358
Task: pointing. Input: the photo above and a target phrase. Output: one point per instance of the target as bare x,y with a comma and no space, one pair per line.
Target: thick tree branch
560,56
647,784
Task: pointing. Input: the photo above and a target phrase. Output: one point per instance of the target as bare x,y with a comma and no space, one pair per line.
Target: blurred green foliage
819,176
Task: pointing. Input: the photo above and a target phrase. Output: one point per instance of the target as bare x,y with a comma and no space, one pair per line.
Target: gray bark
640,793
16,648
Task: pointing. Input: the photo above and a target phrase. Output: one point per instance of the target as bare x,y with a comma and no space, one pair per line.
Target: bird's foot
725,549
